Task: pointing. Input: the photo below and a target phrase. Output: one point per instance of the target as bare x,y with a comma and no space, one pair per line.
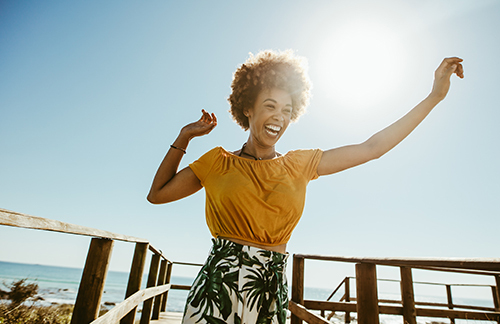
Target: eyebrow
271,99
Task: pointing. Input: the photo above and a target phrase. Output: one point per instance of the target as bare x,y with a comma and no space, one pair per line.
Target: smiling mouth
273,130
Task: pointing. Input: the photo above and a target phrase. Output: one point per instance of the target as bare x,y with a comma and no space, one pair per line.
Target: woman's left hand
443,74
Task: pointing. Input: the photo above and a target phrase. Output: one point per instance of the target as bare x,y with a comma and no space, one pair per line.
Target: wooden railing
154,298
346,283
88,300
367,304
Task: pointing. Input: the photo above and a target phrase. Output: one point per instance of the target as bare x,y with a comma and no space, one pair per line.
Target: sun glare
361,64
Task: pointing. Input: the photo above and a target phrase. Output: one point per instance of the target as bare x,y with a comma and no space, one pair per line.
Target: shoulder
213,153
206,162
304,162
304,154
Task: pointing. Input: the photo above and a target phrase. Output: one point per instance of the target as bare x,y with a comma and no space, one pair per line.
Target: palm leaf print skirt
239,284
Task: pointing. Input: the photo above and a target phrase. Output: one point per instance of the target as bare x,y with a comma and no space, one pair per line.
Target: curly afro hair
269,69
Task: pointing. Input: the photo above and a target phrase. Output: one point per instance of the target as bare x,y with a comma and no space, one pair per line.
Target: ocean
59,285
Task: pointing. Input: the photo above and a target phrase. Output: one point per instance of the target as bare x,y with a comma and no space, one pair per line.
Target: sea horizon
59,284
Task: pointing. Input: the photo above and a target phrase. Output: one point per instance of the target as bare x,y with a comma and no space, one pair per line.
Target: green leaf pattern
239,285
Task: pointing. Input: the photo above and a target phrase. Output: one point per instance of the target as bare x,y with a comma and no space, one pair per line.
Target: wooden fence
154,298
88,300
367,304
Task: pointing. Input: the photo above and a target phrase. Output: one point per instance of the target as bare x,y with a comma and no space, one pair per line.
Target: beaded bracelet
178,148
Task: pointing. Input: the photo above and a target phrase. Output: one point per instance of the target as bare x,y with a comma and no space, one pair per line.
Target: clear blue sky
92,93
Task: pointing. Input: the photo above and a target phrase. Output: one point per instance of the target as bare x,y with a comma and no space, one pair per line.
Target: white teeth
274,128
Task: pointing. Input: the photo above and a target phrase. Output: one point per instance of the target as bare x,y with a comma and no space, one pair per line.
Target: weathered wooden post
407,296
161,281
496,295
135,277
297,285
347,298
167,280
367,297
153,273
450,301
88,300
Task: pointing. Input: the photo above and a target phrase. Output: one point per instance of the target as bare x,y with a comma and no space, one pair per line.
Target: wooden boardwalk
366,303
176,317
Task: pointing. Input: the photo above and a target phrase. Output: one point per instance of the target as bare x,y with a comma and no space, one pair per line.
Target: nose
279,116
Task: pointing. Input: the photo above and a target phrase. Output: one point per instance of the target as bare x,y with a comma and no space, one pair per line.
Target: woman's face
270,116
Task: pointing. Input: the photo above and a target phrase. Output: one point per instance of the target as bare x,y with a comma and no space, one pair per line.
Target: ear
246,112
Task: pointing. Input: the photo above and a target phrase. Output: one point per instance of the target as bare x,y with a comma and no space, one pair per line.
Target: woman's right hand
168,184
201,127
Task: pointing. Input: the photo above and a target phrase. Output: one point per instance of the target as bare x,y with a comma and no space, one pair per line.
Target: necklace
252,156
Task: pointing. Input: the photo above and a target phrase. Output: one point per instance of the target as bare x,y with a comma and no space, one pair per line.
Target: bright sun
361,64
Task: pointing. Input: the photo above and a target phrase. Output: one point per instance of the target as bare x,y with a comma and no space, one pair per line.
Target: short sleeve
306,162
204,164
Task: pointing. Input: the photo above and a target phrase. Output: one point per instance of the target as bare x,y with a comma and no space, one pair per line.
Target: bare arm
346,157
168,184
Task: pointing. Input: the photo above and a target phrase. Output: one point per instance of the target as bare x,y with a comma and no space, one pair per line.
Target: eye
287,110
270,106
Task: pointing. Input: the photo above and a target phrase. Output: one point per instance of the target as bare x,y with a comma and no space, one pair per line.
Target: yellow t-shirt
259,201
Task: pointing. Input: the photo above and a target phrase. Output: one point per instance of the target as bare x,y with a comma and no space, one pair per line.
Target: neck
251,149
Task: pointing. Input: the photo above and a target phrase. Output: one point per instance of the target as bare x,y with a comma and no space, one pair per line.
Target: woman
255,195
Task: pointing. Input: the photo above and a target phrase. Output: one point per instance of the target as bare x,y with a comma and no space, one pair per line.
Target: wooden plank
181,287
135,277
159,252
10,218
449,313
492,264
148,304
336,289
347,296
398,310
301,312
167,280
189,263
474,272
297,285
161,281
469,307
407,296
330,306
88,300
450,301
496,293
366,292
123,308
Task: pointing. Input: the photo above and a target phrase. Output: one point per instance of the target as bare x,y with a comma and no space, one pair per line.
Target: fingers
208,118
460,71
451,65
214,119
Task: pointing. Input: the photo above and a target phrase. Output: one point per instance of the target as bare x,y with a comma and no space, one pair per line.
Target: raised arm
346,157
168,184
